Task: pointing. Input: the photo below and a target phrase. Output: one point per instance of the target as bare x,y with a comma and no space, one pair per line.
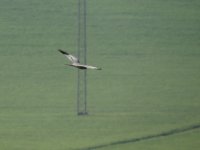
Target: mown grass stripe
148,137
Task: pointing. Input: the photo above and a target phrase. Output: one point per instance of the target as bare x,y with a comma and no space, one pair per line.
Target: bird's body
75,61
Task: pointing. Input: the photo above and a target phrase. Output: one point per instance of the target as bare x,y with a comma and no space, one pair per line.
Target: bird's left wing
72,58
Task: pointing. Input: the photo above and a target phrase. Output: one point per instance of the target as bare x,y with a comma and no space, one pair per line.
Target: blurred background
149,52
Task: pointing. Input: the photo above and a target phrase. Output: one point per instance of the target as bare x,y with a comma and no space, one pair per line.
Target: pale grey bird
75,61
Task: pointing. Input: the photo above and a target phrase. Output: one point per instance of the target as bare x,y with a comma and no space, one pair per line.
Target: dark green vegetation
149,52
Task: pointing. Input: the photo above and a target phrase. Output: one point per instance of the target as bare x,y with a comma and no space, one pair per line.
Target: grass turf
149,52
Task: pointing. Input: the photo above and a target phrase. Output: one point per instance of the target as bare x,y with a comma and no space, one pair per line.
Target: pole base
82,113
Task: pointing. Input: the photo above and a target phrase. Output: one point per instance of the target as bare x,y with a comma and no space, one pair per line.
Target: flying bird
75,61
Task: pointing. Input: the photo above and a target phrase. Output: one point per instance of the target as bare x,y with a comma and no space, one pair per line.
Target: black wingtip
99,68
63,52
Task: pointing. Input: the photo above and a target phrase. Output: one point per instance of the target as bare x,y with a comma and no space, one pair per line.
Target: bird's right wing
92,67
72,58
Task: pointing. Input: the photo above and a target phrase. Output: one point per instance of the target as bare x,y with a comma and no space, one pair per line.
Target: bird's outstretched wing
72,58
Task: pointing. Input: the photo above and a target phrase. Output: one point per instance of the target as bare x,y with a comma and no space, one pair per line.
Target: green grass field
150,55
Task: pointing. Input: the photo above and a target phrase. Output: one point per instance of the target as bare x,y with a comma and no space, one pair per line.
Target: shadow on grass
147,137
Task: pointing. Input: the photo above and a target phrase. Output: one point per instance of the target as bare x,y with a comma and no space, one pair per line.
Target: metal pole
82,50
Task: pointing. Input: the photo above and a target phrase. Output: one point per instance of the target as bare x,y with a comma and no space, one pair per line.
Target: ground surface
149,52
